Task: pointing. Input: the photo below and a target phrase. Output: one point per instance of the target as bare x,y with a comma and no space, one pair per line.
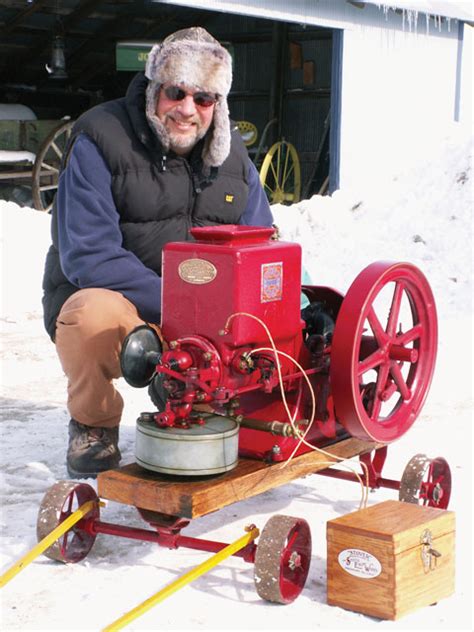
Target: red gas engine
250,389
245,371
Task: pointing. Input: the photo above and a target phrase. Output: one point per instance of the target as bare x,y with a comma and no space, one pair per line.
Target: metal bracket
429,555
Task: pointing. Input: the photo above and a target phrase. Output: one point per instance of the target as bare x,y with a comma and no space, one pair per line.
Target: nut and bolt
295,561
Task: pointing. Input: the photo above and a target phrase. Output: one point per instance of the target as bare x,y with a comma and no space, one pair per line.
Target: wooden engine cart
219,362
282,555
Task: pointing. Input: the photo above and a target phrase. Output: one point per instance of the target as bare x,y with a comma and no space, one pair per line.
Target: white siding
398,94
329,13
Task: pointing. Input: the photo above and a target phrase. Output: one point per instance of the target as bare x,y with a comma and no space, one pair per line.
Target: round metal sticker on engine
359,563
197,271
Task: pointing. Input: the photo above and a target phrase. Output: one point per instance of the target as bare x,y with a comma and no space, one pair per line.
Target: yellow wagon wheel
248,131
280,174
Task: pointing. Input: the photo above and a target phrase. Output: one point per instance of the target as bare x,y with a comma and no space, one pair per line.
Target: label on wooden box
390,559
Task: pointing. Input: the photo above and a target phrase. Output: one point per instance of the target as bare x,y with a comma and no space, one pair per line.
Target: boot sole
77,474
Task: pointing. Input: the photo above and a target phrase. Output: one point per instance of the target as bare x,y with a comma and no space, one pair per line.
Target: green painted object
132,56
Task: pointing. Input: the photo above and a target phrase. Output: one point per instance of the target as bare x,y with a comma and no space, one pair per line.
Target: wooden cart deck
192,497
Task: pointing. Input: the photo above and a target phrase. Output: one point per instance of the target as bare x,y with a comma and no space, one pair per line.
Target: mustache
183,119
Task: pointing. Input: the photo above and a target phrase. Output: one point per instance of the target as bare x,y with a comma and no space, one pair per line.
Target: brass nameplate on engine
197,271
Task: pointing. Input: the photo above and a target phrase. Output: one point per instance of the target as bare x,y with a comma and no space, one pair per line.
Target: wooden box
390,559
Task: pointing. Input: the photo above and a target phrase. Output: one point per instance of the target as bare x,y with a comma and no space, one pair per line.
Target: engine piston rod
280,428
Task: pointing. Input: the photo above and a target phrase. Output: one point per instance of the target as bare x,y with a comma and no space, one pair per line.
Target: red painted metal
295,561
436,486
282,559
383,351
252,274
374,462
168,538
61,500
225,291
244,276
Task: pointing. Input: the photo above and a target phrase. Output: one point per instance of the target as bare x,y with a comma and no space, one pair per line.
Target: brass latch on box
429,555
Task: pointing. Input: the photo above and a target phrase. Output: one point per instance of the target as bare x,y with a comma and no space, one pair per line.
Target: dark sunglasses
202,99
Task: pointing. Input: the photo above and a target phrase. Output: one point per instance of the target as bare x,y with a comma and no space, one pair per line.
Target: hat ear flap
151,62
152,93
217,146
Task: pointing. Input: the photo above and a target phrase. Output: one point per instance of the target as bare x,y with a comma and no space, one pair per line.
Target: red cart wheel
426,482
282,559
59,502
383,352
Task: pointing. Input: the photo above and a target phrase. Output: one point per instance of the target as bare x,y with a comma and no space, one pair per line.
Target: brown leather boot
91,450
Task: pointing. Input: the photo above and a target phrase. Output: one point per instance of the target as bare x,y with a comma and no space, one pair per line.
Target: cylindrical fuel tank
200,450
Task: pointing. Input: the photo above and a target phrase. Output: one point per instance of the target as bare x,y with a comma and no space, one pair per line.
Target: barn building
357,88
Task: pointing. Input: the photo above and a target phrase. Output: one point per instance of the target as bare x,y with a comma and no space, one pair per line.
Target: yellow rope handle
47,541
252,534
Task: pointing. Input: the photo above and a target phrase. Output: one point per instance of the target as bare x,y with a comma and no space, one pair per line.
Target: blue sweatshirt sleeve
257,212
90,239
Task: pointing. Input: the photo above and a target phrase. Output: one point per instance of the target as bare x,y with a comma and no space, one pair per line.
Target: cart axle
164,537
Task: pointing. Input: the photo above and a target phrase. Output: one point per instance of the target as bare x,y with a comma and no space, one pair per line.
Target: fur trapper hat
194,58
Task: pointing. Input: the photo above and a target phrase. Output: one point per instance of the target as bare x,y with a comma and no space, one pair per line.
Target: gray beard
178,142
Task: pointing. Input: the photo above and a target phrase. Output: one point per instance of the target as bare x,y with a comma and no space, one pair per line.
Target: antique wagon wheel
280,174
426,482
282,559
59,502
248,131
45,174
383,351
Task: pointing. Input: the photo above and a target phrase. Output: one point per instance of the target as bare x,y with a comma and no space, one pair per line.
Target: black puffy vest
158,198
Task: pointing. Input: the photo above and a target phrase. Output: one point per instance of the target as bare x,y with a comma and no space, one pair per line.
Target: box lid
400,523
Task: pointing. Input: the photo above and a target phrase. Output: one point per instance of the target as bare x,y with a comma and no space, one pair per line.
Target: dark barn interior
282,71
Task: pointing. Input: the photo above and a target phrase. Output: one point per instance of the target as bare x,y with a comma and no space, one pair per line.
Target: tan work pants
90,330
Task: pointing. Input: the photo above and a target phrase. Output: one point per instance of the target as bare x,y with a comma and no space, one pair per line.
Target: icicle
427,16
412,19
386,8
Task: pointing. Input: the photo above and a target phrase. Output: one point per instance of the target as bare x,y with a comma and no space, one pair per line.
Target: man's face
185,120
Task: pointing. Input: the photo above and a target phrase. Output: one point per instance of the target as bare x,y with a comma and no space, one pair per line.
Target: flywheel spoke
380,387
395,309
376,326
399,380
411,335
371,362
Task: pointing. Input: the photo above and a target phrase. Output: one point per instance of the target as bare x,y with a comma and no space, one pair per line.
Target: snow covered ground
423,215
